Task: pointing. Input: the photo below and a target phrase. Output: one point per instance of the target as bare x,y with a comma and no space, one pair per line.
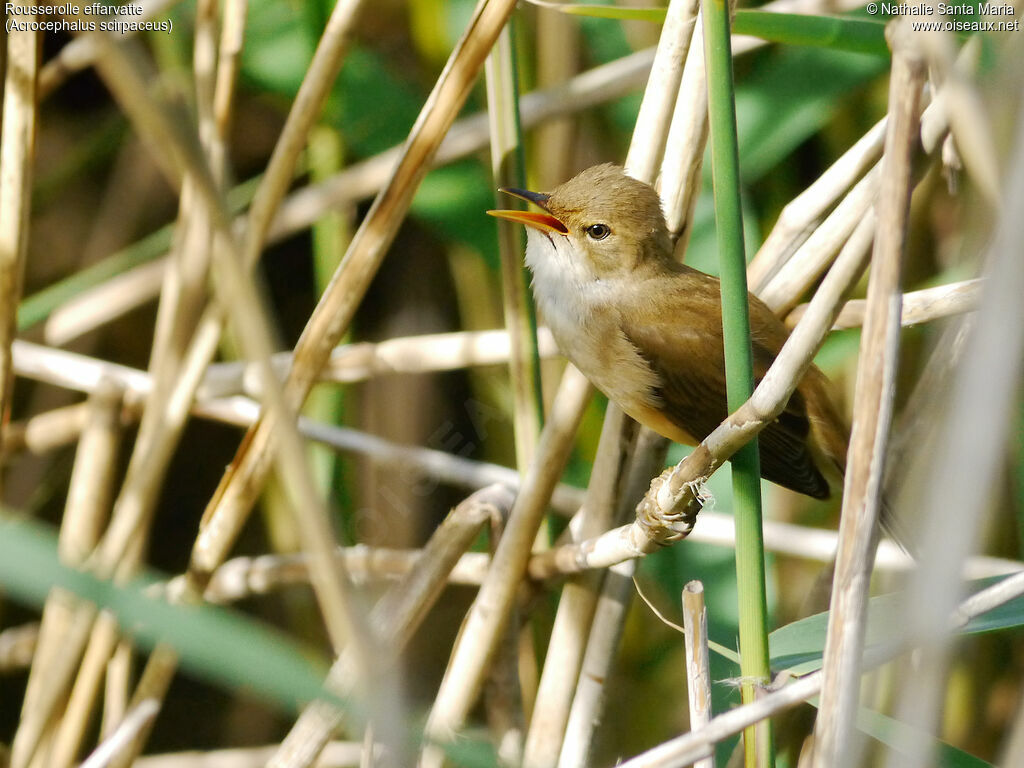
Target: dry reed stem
510,687
86,511
967,461
609,614
108,301
872,408
689,747
171,408
969,123
17,646
654,119
424,353
684,151
698,671
231,504
180,161
812,258
84,374
316,85
17,152
396,616
524,374
45,431
788,262
117,688
250,323
578,599
558,39
102,641
803,214
92,478
466,136
488,616
67,369
921,306
53,671
138,719
153,684
588,699
245,577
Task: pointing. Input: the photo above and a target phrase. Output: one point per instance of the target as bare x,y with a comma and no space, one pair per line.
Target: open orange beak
545,222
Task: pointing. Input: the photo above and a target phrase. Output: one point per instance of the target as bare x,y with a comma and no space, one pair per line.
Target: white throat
560,283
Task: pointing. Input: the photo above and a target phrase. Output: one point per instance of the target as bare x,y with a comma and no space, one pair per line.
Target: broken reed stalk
698,671
872,408
17,153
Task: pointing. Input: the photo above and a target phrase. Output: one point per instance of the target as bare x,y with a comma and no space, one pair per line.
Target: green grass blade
750,563
220,646
798,646
833,32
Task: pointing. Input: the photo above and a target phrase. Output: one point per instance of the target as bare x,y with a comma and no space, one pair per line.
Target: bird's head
600,223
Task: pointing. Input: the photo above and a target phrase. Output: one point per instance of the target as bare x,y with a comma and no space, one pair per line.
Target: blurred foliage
798,108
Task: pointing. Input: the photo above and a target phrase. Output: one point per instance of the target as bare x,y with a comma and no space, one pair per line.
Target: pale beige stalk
17,153
804,213
783,291
360,361
137,720
698,672
872,409
609,614
576,608
17,646
45,431
977,422
503,117
918,307
85,516
488,616
337,754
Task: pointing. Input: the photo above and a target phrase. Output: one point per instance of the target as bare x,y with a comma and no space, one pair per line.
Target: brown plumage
647,331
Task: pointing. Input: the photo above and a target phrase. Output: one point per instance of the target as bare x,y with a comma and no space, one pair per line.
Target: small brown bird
647,331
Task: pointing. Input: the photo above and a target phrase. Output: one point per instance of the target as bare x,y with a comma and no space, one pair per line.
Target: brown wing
687,354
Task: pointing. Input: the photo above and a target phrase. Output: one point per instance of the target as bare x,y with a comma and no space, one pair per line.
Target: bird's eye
598,231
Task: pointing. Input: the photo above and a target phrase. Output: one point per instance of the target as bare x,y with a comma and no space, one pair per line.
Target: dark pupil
598,231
